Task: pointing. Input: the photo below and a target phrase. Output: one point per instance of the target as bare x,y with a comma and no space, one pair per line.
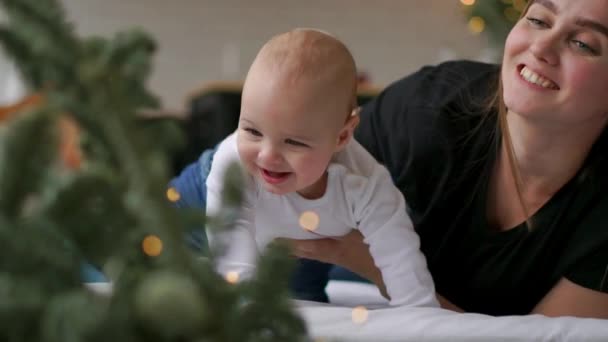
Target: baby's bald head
296,105
312,57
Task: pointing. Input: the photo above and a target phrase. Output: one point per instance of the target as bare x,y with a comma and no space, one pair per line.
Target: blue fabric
190,184
309,279
90,274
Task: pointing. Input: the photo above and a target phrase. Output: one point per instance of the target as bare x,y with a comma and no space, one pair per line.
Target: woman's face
555,66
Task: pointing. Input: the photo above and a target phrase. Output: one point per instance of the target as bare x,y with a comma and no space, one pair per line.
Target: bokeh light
359,314
152,245
476,25
232,277
309,220
519,4
173,195
468,2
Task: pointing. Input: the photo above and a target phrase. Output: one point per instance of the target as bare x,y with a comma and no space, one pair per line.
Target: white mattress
335,321
430,324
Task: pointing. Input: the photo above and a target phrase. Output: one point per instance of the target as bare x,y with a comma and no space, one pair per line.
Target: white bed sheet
334,321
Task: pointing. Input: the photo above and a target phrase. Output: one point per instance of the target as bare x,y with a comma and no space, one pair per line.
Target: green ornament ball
72,317
170,304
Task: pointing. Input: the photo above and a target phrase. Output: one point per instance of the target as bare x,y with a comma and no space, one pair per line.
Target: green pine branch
499,17
51,221
27,151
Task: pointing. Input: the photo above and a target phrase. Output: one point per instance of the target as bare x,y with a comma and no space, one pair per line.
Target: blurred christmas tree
110,207
493,17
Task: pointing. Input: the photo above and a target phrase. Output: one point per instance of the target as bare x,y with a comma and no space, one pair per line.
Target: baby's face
286,137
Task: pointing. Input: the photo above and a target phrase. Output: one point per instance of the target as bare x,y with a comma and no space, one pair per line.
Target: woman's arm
569,299
348,251
353,254
446,304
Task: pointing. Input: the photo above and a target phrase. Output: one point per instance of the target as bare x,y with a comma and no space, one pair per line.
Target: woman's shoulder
440,84
432,107
456,72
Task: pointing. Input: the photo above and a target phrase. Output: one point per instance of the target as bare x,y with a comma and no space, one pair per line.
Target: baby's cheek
314,167
247,158
246,152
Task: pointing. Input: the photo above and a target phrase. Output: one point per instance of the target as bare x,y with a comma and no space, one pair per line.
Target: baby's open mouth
274,177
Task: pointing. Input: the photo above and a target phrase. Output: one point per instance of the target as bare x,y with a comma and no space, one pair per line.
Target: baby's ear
349,128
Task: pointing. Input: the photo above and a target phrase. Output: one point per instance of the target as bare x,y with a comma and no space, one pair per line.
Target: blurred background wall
207,40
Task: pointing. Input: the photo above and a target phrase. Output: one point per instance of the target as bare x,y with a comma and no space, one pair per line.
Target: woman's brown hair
496,104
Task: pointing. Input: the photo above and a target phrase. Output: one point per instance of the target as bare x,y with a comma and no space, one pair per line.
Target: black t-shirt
431,132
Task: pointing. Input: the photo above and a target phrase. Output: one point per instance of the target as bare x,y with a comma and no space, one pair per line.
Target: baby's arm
393,243
238,249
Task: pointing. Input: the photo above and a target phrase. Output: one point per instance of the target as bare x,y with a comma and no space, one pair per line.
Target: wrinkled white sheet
334,321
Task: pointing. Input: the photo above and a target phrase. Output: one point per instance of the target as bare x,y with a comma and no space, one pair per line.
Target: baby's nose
270,156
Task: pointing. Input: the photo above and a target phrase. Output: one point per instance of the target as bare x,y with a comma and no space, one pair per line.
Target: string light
173,195
232,277
309,220
359,314
477,25
152,245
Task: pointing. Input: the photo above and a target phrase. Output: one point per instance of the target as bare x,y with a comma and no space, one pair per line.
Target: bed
338,320
357,312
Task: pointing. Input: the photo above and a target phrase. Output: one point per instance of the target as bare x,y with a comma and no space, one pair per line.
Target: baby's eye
253,132
295,143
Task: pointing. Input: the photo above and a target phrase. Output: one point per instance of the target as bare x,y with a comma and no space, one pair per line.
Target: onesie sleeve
381,217
234,250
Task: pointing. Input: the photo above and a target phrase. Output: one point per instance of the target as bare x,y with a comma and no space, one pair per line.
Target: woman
506,185
512,220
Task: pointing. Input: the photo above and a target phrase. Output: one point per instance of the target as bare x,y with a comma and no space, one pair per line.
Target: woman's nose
546,49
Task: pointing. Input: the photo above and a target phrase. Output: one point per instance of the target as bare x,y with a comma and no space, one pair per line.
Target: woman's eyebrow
594,25
587,23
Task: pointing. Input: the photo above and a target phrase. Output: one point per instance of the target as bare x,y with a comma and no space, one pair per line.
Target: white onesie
360,195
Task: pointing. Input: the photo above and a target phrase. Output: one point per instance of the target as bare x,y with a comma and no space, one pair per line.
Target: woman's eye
584,47
253,132
295,143
536,22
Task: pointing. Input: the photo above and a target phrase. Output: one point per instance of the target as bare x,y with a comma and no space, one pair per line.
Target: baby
307,177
